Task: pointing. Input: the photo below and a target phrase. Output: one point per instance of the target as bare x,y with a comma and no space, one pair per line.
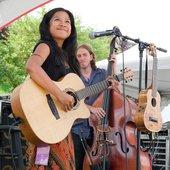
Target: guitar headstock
152,50
128,74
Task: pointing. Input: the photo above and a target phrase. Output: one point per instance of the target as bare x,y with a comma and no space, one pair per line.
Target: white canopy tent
11,10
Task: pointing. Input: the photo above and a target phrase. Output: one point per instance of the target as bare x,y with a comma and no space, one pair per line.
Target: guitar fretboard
155,82
93,89
96,88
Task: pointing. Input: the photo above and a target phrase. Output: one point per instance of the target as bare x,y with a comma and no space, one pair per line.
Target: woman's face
60,27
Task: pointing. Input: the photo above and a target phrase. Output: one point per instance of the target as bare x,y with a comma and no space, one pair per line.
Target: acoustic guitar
43,117
148,115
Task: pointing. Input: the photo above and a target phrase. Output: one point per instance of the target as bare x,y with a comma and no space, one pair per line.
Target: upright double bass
114,142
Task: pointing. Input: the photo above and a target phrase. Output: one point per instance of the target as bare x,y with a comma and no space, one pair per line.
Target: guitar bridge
52,106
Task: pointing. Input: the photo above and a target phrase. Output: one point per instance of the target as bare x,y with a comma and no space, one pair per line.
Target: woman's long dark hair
69,45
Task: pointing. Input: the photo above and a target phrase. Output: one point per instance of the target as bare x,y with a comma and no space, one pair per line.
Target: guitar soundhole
153,101
74,95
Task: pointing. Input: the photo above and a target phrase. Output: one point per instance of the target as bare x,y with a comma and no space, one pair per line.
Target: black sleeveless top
53,65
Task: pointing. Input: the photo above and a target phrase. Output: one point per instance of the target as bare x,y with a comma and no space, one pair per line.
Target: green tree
99,45
18,43
15,49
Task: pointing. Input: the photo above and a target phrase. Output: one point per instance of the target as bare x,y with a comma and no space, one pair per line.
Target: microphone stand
141,42
141,47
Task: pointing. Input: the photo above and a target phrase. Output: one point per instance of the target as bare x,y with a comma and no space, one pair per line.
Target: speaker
5,148
6,113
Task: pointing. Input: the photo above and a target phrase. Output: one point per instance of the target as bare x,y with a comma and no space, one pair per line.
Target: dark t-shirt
53,65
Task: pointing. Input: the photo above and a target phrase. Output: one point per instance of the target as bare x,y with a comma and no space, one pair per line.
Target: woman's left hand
114,84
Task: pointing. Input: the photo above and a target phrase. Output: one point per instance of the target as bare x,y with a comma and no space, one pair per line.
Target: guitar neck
154,77
96,88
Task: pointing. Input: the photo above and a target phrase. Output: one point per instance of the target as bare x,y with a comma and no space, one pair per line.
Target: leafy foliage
17,43
100,45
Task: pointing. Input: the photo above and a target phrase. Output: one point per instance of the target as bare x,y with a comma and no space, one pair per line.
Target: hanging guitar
148,115
43,118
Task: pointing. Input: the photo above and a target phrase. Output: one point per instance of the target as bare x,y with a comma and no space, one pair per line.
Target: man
90,75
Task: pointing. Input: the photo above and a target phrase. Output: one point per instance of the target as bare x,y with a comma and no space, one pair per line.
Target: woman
52,58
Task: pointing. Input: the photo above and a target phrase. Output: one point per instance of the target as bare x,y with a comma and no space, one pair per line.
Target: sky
146,20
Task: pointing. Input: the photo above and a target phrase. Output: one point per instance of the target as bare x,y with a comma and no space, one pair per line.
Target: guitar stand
16,147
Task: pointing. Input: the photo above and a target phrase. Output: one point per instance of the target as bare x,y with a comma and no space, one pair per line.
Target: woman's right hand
66,100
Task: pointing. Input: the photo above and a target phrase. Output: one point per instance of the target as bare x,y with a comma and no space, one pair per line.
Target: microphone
114,31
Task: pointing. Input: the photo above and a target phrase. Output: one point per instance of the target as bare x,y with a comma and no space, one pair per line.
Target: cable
18,121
